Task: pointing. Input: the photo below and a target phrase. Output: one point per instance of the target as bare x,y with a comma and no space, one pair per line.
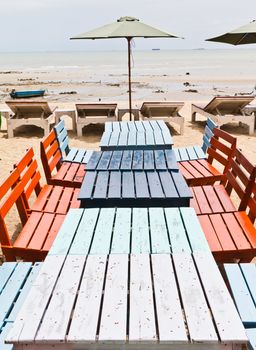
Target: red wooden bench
201,171
58,172
51,199
36,237
216,199
232,236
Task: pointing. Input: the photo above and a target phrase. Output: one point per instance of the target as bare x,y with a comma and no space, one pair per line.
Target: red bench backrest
50,154
222,148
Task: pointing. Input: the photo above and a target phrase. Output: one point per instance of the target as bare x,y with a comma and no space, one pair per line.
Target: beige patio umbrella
126,27
240,36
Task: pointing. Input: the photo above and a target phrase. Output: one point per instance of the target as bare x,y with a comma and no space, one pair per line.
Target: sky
47,25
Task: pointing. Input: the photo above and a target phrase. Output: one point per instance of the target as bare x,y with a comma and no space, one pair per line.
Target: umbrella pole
129,77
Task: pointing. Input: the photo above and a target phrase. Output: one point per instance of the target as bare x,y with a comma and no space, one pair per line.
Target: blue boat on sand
26,94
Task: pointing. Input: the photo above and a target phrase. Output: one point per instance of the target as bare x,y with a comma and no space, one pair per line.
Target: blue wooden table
133,160
173,299
133,135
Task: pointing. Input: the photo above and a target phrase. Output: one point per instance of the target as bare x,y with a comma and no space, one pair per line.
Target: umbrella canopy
125,27
240,36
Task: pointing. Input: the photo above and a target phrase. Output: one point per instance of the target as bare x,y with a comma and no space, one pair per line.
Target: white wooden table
128,301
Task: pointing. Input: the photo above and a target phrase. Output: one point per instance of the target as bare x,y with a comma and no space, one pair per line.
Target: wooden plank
249,272
251,334
141,139
94,159
171,159
168,186
149,163
154,184
132,139
104,160
24,291
103,233
181,185
101,185
139,126
109,126
197,313
87,156
12,288
83,237
126,163
159,138
132,127
176,231
114,138
128,186
87,187
4,332
79,155
177,154
123,138
160,161
150,140
137,163
241,294
71,155
115,160
6,271
116,127
124,126
200,153
141,186
171,323
228,323
191,153
114,189
183,154
37,300
158,232
194,230
57,315
140,231
84,323
66,233
122,231
142,326
104,141
114,309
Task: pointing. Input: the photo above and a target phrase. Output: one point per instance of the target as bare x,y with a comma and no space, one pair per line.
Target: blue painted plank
147,126
12,288
132,138
24,291
160,160
104,141
87,156
154,184
123,138
159,138
104,160
94,159
140,243
87,187
114,190
108,126
150,140
168,185
183,154
241,294
103,233
124,126
116,127
149,163
167,137
171,160
115,162
139,126
251,334
113,141
200,153
156,126
158,231
137,163
60,126
6,329
249,272
84,233
177,154
122,231
66,233
141,139
132,127
211,124
79,155
191,153
6,271
141,186
101,185
181,185
126,163
71,155
128,188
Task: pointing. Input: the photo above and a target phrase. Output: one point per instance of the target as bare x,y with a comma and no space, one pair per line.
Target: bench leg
46,129
251,128
193,117
79,130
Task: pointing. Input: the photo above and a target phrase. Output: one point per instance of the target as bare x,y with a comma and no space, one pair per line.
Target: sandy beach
65,87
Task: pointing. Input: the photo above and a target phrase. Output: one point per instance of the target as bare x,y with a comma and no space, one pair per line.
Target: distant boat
26,94
155,49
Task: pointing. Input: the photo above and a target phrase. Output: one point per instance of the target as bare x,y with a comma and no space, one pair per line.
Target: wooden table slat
159,236
101,185
116,159
122,231
149,163
140,231
127,160
114,191
94,159
160,160
154,184
104,160
141,186
137,162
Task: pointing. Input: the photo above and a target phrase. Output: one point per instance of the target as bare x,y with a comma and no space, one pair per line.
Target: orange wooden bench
51,199
232,236
215,199
36,237
58,172
201,171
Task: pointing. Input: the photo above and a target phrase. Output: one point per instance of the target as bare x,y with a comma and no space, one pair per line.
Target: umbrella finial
127,19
